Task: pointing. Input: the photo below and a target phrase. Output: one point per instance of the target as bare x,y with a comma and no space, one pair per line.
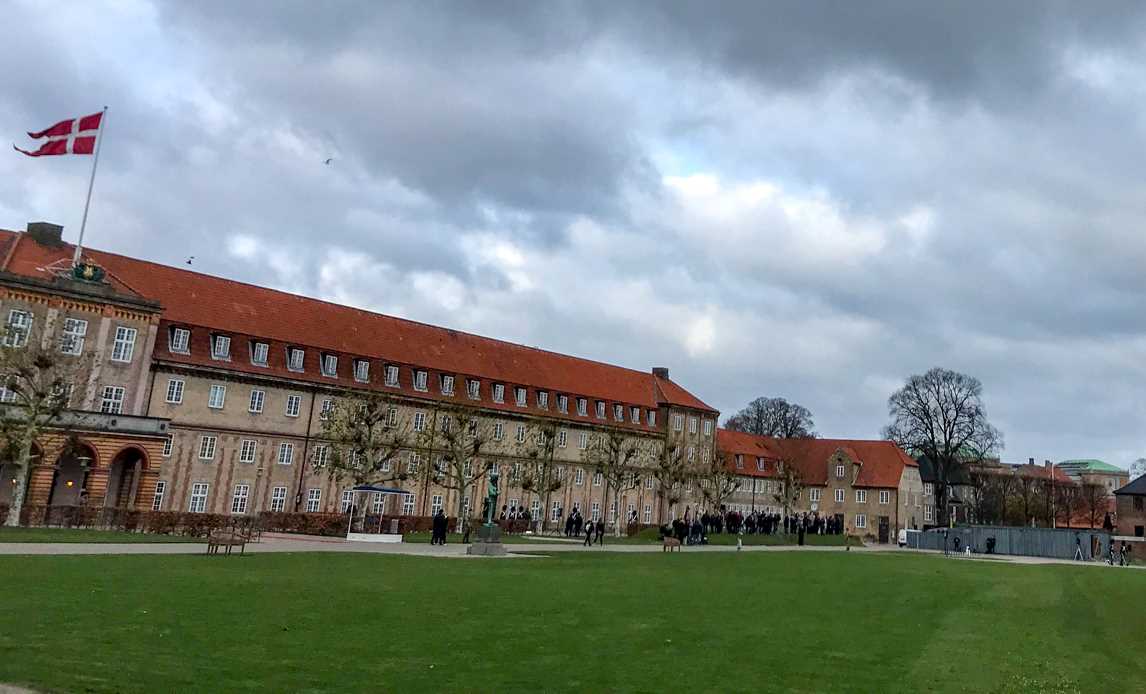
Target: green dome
1088,465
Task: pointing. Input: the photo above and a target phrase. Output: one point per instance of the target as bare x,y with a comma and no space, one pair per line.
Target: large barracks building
209,395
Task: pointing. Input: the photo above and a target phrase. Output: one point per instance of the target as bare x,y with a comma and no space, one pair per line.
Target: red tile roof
881,462
197,300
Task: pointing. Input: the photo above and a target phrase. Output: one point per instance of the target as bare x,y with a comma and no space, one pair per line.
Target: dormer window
473,389
839,472
221,347
330,365
420,379
600,409
619,413
362,371
447,385
392,375
498,392
295,358
651,418
519,396
259,351
180,340
739,462
562,403
760,464
635,415
543,399
582,407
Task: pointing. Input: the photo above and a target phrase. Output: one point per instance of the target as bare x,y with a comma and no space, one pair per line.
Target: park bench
228,539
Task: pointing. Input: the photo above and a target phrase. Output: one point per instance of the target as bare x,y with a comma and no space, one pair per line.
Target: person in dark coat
601,531
440,525
588,535
569,526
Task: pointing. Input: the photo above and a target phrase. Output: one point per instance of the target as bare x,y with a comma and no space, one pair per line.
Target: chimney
1030,461
1047,464
46,233
661,372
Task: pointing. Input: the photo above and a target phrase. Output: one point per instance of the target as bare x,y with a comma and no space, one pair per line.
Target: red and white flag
72,136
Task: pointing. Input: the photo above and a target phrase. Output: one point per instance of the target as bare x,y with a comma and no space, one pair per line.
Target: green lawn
83,535
699,622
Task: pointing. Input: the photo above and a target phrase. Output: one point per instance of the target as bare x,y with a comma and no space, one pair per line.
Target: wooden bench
228,539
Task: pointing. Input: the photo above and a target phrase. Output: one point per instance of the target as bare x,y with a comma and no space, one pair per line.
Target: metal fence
1031,542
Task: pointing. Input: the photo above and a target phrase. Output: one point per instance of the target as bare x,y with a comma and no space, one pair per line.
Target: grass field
83,535
783,621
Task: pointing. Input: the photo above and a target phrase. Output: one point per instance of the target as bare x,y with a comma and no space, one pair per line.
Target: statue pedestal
487,543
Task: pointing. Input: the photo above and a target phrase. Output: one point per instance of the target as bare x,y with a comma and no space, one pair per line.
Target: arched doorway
69,483
9,475
123,479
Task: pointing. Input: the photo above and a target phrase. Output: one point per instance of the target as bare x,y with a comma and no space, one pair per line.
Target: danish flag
72,136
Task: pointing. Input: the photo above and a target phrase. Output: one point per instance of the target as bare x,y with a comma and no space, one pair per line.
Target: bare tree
1068,502
614,456
791,485
545,474
37,379
717,479
670,469
1095,500
773,417
940,415
366,438
1027,488
456,443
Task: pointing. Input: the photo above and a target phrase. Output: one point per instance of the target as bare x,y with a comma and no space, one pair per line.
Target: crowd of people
694,528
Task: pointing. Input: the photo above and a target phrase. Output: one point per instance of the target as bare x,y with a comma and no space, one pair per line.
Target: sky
807,200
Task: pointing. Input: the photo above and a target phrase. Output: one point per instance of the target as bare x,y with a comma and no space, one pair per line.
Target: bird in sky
328,160
189,259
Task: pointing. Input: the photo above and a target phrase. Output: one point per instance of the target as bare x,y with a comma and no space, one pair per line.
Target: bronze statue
491,497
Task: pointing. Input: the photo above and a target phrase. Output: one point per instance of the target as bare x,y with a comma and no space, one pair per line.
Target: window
708,427
583,440
445,423
180,341
692,425
447,385
619,413
378,505
543,399
648,514
435,504
239,498
927,513
391,375
362,371
861,520
760,464
692,457
839,472
739,461
555,511
635,415
198,498
419,421
313,500
247,451
216,397
520,437
295,358
326,408
392,417
839,496
600,410
562,438
420,379
124,345
19,326
72,336
330,365
286,453
884,496
278,499
582,407
598,478
175,391
861,496
928,490
814,494
519,396
167,443
112,402
579,477
649,482
651,418
412,464
259,351
473,388
157,498
563,404
595,514
257,399
408,505
221,347
678,422
292,406
207,447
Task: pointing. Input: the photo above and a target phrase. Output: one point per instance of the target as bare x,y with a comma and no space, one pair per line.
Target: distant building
1137,469
1093,471
1132,508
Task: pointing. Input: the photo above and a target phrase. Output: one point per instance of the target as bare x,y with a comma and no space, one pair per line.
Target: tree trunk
23,476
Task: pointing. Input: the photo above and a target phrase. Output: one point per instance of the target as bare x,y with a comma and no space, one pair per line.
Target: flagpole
91,182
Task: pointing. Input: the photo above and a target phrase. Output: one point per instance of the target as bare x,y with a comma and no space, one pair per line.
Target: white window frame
884,496
840,472
600,409
72,335
18,328
519,396
362,370
393,374
286,453
278,499
198,500
330,365
927,513
207,445
112,400
296,359
579,477
582,407
562,438
157,497
651,418
692,425
498,431
346,501
447,383
543,399
123,346
648,517
436,504
582,440
258,400
861,521
314,500
221,347
814,494
618,412
260,352
634,414
678,422
839,496
708,427
861,496
473,389
240,498
179,341
247,448
293,405
421,380
175,391
168,444
563,404
217,396
325,409
520,435
595,511
598,479
408,503
419,421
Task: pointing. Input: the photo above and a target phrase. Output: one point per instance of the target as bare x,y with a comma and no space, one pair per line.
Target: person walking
588,535
601,532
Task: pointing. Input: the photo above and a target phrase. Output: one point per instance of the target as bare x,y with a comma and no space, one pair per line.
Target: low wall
1030,542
